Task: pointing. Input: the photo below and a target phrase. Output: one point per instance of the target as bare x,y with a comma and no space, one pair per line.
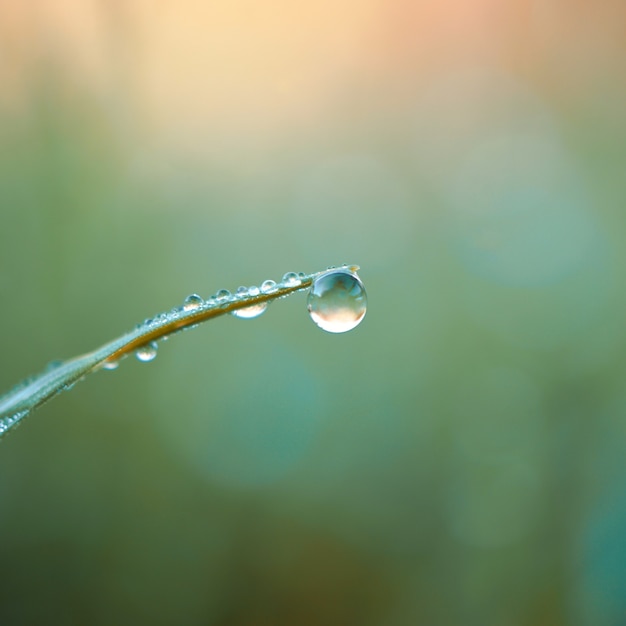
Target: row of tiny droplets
195,303
7,422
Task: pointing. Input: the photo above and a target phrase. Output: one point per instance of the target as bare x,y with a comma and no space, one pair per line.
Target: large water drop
337,301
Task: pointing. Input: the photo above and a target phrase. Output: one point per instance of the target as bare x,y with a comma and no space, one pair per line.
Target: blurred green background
456,459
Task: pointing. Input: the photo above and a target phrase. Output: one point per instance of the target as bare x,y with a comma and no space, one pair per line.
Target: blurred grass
455,459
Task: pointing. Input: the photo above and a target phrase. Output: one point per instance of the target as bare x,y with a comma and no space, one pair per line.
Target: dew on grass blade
337,301
146,353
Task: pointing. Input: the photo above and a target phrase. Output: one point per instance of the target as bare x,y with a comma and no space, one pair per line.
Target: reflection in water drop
337,301
250,312
222,295
269,286
146,353
192,302
291,279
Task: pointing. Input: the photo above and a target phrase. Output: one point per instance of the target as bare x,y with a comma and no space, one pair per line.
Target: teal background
456,459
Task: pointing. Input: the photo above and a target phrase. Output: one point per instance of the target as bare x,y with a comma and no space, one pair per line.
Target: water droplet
222,295
337,301
269,286
9,421
241,292
250,312
146,353
192,302
254,291
291,279
110,365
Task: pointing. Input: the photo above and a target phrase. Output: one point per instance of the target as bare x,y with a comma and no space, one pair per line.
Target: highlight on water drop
269,286
147,353
291,279
192,302
222,295
250,312
337,301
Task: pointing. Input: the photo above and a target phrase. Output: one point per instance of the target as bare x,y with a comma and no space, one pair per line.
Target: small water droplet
250,312
242,292
269,286
337,301
192,302
222,295
146,353
110,365
291,279
254,291
9,421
